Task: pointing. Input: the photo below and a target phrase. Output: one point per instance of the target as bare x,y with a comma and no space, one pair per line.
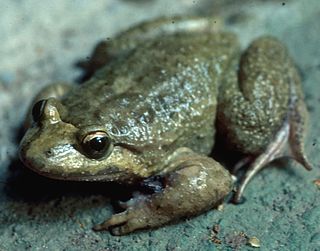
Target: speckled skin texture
257,106
156,103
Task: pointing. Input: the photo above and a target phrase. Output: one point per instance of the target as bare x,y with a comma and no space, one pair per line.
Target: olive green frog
151,113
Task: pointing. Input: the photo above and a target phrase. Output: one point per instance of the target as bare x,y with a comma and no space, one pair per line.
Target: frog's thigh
55,90
253,101
197,184
261,108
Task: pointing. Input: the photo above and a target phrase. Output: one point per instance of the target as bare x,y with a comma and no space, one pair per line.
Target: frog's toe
115,220
124,222
127,227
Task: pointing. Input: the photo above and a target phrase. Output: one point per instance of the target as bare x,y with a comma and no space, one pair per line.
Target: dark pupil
98,143
37,110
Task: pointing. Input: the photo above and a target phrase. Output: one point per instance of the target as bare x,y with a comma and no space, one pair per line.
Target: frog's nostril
48,153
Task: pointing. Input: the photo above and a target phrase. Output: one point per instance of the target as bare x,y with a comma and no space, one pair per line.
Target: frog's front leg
197,184
261,108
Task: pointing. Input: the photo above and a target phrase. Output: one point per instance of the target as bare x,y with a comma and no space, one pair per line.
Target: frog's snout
50,150
34,150
50,144
29,156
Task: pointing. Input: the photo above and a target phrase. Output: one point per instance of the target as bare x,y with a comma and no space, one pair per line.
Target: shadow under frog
150,116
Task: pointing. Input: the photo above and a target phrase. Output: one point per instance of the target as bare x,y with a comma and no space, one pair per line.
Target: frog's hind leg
261,111
289,141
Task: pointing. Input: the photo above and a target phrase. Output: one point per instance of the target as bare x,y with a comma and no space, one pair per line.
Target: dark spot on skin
147,116
153,184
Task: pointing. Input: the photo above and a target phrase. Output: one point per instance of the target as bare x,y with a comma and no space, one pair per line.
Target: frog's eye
97,145
38,109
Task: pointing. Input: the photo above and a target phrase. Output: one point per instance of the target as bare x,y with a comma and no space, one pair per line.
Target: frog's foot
197,184
291,134
131,219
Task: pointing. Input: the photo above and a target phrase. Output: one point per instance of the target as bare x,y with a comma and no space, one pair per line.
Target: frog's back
161,95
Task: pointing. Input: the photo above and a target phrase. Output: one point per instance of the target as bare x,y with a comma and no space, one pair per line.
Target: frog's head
60,150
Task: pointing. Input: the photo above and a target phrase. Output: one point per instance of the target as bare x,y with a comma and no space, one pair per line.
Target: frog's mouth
109,175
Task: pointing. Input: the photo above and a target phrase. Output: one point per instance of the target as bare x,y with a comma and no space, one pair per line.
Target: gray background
40,43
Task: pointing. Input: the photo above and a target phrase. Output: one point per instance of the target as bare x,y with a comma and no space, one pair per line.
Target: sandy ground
40,43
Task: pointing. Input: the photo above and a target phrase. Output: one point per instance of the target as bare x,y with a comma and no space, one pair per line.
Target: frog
150,113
